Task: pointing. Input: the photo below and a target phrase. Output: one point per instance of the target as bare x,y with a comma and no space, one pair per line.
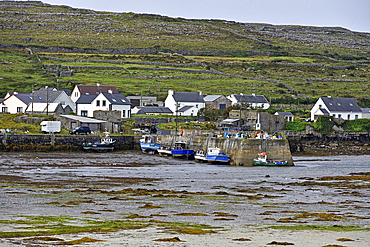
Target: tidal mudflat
131,199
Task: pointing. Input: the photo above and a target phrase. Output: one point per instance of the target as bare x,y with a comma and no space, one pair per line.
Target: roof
188,97
241,98
95,89
284,113
324,111
86,99
185,108
117,99
164,110
54,89
83,119
211,98
27,98
341,104
364,110
230,120
50,95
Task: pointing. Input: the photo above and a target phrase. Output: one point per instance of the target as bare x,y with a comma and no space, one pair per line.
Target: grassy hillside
41,44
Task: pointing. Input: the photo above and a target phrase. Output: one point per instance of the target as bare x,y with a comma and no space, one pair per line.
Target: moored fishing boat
148,145
106,144
164,150
216,155
200,155
180,150
262,160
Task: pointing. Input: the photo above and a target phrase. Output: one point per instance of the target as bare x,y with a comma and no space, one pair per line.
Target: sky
350,14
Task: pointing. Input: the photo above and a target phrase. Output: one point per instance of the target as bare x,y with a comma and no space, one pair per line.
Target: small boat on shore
164,150
180,150
148,145
106,144
262,160
216,155
200,155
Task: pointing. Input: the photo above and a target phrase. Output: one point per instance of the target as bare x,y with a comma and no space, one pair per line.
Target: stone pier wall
241,151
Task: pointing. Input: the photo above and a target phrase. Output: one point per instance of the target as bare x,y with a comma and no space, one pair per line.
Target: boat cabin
262,156
179,145
146,139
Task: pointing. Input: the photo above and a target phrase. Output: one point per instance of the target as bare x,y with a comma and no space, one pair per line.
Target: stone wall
70,143
240,151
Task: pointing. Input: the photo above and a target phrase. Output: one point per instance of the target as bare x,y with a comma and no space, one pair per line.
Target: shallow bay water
324,191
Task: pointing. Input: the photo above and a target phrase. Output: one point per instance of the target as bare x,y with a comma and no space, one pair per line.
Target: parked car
80,130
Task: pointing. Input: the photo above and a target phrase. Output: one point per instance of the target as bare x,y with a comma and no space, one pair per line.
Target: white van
50,126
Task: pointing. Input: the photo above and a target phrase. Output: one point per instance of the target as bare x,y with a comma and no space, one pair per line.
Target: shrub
324,124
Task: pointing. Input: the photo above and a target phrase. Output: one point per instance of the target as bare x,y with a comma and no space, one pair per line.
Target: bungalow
17,103
217,101
56,96
80,90
341,108
152,110
365,112
44,108
87,104
177,101
254,101
288,116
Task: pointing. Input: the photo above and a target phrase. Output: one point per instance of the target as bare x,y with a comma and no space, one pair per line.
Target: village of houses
102,108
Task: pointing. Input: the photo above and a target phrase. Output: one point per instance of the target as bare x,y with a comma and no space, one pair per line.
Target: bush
295,126
357,125
324,124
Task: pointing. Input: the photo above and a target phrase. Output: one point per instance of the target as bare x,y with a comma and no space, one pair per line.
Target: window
104,103
4,110
339,115
123,113
356,116
98,103
348,116
84,113
333,115
222,106
19,109
320,106
196,106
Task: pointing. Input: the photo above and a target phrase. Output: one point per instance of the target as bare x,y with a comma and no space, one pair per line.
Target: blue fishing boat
180,150
216,155
148,145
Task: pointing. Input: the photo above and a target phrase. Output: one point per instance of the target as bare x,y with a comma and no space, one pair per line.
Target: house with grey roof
175,101
17,103
151,110
87,104
254,101
56,96
340,108
288,116
365,112
217,101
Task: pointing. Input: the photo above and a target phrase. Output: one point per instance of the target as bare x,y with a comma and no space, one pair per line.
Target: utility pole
32,101
47,100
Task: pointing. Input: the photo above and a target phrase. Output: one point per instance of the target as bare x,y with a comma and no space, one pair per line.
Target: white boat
216,155
164,151
200,155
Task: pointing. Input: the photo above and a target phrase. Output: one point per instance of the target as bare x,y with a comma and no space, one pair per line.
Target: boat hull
182,152
271,163
149,147
218,158
98,147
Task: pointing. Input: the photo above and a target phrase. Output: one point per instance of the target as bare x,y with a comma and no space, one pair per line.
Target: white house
344,108
288,116
365,112
17,103
254,101
176,101
56,96
87,104
80,90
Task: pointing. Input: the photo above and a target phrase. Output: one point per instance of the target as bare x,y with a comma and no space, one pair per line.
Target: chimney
97,84
241,94
329,96
15,92
200,93
170,92
110,91
253,94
